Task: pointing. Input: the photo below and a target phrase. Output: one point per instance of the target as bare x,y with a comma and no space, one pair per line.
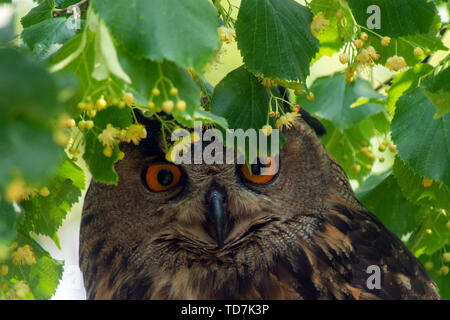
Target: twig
425,60
57,13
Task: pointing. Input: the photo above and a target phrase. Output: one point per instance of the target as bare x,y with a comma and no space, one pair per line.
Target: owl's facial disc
217,217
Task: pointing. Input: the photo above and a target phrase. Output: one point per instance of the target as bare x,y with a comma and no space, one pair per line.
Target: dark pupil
165,177
256,168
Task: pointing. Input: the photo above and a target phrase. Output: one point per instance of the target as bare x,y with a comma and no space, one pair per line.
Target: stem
163,125
371,31
134,115
57,13
161,78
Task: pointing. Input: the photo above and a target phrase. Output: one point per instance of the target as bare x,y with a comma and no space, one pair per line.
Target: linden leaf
44,215
102,167
397,18
382,195
405,82
157,29
334,99
411,183
275,38
422,141
437,90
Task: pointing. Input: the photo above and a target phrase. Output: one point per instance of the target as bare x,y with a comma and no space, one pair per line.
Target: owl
224,231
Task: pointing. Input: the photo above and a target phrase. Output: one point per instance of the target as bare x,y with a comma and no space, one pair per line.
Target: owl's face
163,216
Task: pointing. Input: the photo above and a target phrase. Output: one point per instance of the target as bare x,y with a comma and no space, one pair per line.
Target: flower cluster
350,74
21,289
109,136
227,35
444,269
18,191
23,256
112,136
18,290
385,41
367,57
396,63
266,82
135,133
61,134
287,120
319,23
168,104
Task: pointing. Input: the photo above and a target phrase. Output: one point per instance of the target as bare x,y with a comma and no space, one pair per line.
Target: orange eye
162,177
262,172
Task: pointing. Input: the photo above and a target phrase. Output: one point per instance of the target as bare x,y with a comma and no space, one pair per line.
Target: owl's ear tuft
314,123
150,145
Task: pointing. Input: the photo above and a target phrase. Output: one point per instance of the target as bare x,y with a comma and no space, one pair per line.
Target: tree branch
58,13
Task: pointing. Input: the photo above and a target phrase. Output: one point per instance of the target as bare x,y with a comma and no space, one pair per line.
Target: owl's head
165,214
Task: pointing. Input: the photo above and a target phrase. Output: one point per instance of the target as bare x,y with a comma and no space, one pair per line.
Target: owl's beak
217,218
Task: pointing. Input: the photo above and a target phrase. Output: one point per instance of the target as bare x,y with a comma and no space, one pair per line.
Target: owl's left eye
162,177
262,172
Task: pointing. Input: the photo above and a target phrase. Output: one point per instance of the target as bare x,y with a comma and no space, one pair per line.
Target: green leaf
437,90
208,117
157,29
334,99
42,277
383,197
338,32
146,75
44,37
411,183
70,52
45,277
70,171
275,38
442,281
27,89
244,103
370,185
422,141
432,235
29,151
78,57
9,221
39,13
405,82
100,166
241,100
7,27
29,106
44,215
106,60
347,146
398,18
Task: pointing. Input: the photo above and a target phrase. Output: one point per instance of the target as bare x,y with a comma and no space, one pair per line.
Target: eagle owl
217,232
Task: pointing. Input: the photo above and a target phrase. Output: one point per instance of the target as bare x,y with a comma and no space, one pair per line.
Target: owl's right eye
162,177
261,172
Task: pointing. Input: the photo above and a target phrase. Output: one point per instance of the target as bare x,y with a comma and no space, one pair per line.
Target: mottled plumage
303,236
